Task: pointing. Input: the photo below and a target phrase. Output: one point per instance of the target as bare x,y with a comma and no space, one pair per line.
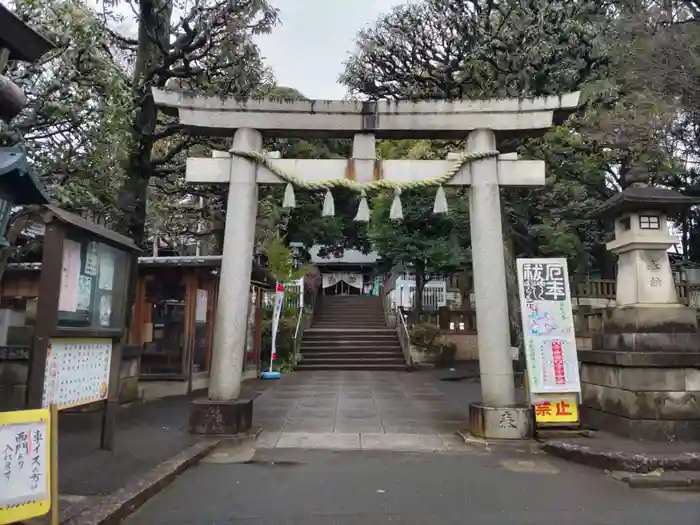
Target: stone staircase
350,333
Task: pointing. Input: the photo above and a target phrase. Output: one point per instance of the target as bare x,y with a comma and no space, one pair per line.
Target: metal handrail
404,336
393,310
298,332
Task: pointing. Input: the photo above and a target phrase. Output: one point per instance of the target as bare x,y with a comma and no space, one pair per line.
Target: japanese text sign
25,461
556,408
548,326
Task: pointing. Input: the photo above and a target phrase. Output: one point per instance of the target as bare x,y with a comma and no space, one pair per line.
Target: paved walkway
363,410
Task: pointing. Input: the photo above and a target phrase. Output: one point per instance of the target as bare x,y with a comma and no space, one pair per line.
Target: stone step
350,356
367,316
350,315
349,323
343,340
369,341
354,362
349,333
330,348
360,366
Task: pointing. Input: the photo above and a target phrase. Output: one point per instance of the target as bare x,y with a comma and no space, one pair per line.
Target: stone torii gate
482,123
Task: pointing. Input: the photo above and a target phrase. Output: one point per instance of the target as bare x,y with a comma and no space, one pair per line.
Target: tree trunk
154,33
514,316
418,296
465,289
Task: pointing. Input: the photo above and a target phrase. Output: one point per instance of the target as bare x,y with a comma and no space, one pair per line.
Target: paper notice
106,277
91,259
84,294
70,272
201,310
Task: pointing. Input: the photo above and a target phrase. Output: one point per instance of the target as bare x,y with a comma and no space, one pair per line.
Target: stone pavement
362,410
285,486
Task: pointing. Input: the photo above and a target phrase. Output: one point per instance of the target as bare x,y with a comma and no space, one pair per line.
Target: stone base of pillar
514,422
220,418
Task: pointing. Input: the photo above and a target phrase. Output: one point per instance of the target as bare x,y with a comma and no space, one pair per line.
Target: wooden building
172,323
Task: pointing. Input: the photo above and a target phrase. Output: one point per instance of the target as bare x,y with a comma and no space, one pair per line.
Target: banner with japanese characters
276,314
548,328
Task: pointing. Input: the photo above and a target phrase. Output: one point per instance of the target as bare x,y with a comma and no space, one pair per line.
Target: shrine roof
21,40
83,224
259,275
640,198
17,178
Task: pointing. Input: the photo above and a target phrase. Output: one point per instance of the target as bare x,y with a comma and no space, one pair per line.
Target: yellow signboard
556,408
25,465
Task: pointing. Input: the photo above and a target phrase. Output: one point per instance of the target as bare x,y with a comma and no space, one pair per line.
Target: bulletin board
77,371
25,465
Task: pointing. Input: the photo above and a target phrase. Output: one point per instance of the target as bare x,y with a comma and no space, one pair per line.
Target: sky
307,51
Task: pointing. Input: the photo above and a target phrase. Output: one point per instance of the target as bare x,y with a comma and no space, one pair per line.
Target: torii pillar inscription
480,122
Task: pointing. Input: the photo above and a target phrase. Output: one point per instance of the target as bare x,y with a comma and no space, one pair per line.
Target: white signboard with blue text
548,326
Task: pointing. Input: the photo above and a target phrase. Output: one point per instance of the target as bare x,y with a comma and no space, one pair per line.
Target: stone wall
652,403
14,372
459,328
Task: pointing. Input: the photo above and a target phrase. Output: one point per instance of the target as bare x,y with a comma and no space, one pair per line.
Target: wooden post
112,404
257,341
191,287
47,310
211,317
53,482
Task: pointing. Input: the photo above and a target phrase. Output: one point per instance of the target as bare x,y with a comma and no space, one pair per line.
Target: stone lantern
640,379
642,239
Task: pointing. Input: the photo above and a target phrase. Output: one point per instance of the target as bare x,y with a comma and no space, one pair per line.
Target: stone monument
482,123
641,377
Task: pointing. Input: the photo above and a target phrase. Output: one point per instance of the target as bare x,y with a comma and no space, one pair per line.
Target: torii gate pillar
497,415
488,261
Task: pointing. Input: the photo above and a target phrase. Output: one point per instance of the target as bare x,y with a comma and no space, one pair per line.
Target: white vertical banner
548,326
276,314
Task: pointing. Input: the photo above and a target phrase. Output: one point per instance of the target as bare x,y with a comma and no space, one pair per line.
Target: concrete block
402,442
129,368
209,417
328,441
647,342
658,379
12,397
642,405
642,429
13,373
500,423
640,359
20,335
128,389
649,319
692,379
